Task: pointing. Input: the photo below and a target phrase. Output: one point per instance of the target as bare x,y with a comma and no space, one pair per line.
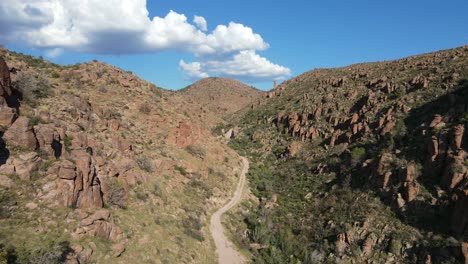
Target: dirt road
227,254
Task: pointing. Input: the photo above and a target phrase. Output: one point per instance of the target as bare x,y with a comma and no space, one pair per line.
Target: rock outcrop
21,134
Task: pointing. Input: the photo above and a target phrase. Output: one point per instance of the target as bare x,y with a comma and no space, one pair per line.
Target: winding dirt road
227,254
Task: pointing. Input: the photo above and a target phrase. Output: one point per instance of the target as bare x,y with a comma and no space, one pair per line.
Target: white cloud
124,27
193,70
200,22
246,65
53,53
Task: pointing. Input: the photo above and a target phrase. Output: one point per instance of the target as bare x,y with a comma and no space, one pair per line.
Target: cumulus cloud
200,22
193,70
246,65
53,53
125,27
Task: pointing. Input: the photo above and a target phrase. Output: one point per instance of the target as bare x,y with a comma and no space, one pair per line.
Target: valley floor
227,254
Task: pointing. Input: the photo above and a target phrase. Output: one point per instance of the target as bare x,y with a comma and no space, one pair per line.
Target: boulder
26,164
48,139
21,134
5,182
7,114
229,134
67,170
101,214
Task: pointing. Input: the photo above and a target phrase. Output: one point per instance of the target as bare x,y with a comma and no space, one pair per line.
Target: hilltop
222,96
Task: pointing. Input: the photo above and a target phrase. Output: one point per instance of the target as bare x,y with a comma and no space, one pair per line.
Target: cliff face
358,154
97,164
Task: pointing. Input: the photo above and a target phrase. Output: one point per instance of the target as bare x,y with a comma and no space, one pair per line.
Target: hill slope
362,163
97,165
222,96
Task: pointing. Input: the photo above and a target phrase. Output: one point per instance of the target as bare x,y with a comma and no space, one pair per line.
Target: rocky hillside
97,165
365,163
222,96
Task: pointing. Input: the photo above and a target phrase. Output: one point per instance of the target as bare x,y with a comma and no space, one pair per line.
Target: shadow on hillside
424,214
414,147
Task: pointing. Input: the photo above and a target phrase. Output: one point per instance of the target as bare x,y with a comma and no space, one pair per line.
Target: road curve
227,254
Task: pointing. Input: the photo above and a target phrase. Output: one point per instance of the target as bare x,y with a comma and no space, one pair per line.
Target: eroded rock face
87,191
185,134
26,164
341,244
293,148
5,80
48,139
411,186
7,114
21,134
98,225
458,136
436,121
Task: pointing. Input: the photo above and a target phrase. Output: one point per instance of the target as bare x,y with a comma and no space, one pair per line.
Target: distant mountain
222,96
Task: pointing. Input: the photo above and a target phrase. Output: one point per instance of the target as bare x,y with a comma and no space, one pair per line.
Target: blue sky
285,38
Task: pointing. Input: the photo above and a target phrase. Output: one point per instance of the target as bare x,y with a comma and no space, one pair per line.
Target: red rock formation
21,134
458,136
411,186
334,137
293,148
455,170
26,165
5,80
48,138
437,120
87,191
368,244
433,148
292,119
341,244
420,82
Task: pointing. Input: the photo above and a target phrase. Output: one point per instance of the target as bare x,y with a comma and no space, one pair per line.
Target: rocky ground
365,163
361,163
98,165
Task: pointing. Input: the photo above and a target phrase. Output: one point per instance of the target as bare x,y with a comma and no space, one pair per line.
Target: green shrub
145,163
358,154
196,151
68,142
55,75
145,108
32,88
116,194
141,195
180,169
35,120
